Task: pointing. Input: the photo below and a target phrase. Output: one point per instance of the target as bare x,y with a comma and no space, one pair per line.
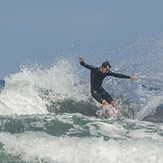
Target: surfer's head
105,67
105,64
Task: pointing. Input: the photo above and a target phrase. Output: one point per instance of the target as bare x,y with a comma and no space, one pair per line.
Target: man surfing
97,76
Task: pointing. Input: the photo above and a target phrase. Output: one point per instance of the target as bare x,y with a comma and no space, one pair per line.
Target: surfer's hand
81,59
133,77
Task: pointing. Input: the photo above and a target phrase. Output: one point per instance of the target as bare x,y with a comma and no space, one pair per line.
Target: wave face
47,113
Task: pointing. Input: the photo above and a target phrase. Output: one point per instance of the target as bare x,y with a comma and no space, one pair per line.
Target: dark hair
105,64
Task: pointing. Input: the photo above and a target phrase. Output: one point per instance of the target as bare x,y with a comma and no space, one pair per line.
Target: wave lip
32,89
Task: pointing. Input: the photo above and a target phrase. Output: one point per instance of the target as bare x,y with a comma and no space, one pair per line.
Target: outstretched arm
81,60
121,75
117,75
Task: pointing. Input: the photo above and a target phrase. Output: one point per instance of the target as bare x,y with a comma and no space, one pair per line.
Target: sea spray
31,89
48,114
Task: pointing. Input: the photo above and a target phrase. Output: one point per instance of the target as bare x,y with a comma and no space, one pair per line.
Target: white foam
36,146
150,107
24,91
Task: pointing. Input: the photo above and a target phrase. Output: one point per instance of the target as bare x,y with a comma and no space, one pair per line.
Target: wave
39,138
41,147
47,111
50,90
63,88
79,125
25,92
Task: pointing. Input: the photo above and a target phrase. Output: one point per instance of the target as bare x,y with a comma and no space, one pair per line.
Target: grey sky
41,29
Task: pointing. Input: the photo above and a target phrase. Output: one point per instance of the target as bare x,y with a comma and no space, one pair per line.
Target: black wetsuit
97,77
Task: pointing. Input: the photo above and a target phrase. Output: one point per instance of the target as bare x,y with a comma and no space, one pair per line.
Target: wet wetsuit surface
97,77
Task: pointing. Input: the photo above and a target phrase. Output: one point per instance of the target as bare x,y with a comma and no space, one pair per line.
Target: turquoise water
78,138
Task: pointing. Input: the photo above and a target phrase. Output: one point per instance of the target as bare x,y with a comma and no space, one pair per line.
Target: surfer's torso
97,76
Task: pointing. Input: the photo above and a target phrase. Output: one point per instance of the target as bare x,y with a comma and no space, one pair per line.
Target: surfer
97,76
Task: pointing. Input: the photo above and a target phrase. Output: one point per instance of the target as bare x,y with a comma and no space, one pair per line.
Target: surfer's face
105,70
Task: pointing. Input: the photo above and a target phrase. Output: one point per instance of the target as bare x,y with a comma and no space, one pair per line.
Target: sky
43,30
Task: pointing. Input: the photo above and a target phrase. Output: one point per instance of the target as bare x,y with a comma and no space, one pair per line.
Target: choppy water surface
48,114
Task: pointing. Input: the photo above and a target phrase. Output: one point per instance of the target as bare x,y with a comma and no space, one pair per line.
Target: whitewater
48,115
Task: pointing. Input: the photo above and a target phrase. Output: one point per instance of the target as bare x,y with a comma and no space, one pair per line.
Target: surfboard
110,112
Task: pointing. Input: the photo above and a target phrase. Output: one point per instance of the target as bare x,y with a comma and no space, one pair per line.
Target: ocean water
47,114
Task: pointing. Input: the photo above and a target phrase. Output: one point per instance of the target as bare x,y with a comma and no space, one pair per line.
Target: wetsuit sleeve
117,75
87,66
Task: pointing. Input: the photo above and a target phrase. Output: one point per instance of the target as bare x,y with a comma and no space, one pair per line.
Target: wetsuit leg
106,96
97,96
